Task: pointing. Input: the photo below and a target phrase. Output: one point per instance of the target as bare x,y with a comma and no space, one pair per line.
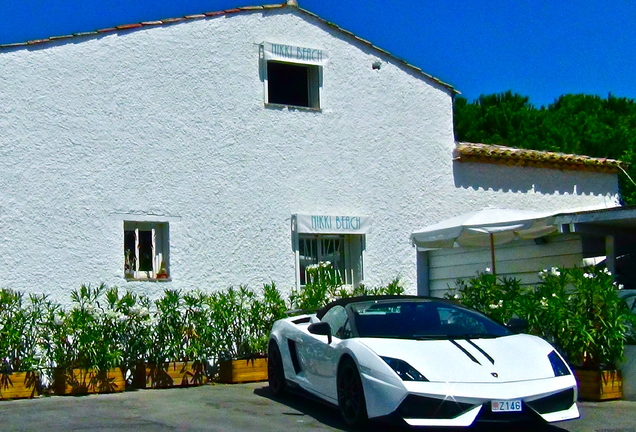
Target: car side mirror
517,325
321,328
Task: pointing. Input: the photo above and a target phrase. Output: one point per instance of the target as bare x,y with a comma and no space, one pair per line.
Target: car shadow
329,416
319,411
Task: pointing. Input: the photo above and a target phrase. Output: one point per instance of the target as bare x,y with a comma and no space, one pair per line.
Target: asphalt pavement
242,407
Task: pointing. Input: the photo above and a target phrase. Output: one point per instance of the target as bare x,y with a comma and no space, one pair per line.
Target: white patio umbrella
490,226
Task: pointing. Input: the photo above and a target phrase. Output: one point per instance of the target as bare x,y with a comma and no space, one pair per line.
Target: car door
319,358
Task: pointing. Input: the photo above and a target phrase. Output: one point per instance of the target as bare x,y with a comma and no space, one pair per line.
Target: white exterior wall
520,259
170,121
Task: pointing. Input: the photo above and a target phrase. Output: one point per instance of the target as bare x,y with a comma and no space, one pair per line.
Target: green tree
581,124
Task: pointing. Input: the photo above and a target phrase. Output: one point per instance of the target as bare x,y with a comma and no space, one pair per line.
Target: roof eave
501,155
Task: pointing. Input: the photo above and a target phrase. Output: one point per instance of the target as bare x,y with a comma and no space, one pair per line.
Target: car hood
503,359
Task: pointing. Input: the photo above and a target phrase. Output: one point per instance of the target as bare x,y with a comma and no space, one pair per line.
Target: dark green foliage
580,124
324,286
21,330
85,336
497,297
128,317
240,320
578,310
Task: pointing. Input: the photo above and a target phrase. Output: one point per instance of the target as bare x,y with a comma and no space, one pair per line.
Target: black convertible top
349,300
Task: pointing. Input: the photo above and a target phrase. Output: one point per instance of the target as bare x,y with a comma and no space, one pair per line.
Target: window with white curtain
146,247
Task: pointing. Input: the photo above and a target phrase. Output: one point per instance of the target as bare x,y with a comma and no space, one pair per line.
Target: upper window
146,250
293,84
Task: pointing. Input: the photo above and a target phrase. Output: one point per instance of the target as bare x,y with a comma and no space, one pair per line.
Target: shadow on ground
330,416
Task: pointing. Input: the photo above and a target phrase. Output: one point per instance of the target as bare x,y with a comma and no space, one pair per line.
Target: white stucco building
236,148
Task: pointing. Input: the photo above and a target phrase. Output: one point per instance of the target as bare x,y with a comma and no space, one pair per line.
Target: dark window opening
145,250
130,262
291,84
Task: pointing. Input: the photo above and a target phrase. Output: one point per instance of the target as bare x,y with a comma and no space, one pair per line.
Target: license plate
506,406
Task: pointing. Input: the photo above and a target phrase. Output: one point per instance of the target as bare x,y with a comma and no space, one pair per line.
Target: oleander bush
242,319
104,328
130,319
85,336
21,331
577,309
325,285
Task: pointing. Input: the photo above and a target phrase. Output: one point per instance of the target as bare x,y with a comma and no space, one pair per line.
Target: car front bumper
461,404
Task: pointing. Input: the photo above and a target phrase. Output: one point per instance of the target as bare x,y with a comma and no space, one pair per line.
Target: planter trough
19,385
171,374
245,370
599,385
87,381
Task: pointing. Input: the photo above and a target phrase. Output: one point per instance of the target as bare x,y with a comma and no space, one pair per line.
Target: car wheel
351,401
275,371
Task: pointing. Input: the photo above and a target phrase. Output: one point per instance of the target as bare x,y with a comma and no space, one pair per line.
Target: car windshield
422,319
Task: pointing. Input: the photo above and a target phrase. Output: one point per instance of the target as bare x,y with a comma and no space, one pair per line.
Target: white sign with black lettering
295,54
331,224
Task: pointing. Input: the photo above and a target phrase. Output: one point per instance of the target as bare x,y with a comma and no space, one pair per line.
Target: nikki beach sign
332,224
295,54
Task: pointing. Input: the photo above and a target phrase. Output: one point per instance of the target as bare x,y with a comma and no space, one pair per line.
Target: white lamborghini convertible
426,361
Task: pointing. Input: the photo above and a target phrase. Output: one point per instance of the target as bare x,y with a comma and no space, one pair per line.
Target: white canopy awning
487,227
475,228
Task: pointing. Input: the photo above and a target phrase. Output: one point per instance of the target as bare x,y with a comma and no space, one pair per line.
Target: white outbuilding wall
168,123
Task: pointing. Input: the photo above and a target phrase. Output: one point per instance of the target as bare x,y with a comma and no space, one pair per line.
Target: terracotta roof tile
128,26
289,3
60,37
172,20
496,154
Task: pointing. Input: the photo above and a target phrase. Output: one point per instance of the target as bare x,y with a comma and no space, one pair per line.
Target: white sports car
426,361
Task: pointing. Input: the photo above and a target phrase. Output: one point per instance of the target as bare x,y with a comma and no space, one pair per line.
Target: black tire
353,405
275,371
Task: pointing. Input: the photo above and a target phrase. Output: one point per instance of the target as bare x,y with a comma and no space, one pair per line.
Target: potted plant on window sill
163,272
84,347
21,358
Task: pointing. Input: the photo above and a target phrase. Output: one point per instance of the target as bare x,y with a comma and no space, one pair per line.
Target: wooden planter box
599,385
19,385
171,374
84,381
240,371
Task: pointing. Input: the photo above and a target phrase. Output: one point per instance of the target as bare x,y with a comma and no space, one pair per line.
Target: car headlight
404,370
558,365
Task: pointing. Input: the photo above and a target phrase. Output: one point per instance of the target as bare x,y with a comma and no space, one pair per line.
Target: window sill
291,107
132,279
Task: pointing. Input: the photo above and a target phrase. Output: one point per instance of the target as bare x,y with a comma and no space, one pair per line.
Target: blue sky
538,48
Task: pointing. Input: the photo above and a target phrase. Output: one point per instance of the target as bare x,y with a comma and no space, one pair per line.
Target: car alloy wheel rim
273,364
349,393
